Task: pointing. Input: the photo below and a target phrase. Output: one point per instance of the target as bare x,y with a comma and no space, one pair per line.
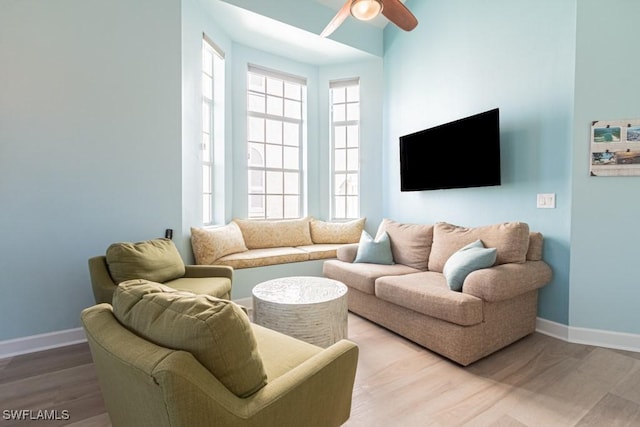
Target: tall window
212,113
345,148
275,129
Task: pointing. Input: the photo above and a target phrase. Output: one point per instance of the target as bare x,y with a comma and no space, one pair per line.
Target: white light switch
546,201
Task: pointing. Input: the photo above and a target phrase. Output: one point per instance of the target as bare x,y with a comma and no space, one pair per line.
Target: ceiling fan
366,10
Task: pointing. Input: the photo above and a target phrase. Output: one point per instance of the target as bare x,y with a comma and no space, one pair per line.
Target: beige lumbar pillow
157,260
258,234
216,332
336,232
211,244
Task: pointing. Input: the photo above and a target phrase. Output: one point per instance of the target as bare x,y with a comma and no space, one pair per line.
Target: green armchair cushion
217,332
156,260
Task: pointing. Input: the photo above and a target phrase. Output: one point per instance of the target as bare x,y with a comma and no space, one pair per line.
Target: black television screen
459,154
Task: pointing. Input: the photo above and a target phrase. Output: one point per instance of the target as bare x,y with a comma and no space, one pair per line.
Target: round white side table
312,309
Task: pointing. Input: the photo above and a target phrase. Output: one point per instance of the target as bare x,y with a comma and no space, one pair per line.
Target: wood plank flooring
538,381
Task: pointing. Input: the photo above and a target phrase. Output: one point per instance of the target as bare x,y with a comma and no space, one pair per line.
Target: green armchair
157,260
269,379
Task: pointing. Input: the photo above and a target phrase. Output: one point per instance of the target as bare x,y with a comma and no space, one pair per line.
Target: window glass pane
339,113
353,136
291,183
292,109
256,103
353,93
207,85
256,129
256,83
291,134
339,207
340,184
256,181
207,60
275,183
256,206
206,208
275,87
206,117
273,156
291,160
291,206
256,154
274,105
206,179
352,159
274,207
352,184
353,111
340,160
352,207
338,95
206,147
274,131
340,136
292,91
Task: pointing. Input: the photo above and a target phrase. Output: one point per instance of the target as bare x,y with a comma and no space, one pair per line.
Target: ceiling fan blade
398,13
337,20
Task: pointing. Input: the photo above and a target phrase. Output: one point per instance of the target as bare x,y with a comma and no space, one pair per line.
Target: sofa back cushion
336,232
535,246
156,260
216,332
410,243
260,234
511,240
210,244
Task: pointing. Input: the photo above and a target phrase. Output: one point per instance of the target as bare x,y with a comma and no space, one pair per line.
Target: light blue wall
604,288
90,146
466,57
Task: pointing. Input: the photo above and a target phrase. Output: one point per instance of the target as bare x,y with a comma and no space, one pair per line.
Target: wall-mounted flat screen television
460,154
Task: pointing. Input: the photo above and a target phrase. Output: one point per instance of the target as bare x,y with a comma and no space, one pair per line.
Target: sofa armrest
347,253
200,271
506,281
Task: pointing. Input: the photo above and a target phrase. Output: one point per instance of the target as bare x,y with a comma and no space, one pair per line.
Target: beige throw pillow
210,244
157,260
511,239
410,243
216,332
260,234
336,232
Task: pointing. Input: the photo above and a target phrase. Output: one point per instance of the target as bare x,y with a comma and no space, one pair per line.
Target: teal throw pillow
376,251
472,257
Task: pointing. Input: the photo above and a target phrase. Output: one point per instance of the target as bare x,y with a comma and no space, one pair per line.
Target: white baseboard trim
595,337
34,343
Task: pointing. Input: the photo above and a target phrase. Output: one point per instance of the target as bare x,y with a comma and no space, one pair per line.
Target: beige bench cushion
263,257
216,332
511,239
321,250
427,293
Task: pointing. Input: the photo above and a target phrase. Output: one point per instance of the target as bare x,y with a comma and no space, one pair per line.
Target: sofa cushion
157,260
263,257
321,250
260,234
511,240
217,332
410,243
209,244
427,293
534,253
336,232
470,258
376,251
362,276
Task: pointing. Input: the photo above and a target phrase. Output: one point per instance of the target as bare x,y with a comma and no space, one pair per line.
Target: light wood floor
538,381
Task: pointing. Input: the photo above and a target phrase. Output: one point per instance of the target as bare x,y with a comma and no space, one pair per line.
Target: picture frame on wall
615,148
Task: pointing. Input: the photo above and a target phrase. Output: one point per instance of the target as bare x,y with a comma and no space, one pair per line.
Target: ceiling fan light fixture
365,10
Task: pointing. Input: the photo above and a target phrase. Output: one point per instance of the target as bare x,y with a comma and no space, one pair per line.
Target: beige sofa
496,306
256,243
